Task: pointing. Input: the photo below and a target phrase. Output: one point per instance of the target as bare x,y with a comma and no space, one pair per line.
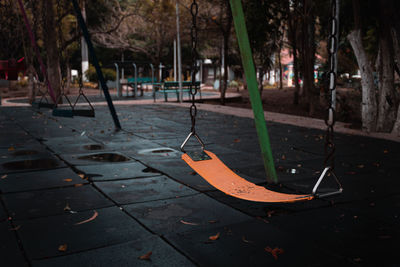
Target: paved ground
74,192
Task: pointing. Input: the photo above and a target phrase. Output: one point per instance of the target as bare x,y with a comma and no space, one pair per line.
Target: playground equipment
212,169
135,83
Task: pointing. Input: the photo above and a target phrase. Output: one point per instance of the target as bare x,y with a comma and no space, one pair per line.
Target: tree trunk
368,104
387,109
308,56
260,80
396,44
53,61
292,23
227,34
280,69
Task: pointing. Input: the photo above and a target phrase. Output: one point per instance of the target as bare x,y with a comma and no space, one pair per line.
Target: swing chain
194,10
332,75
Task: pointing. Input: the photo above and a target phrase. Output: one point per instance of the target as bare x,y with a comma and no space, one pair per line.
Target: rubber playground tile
43,179
30,163
178,170
184,214
42,237
3,215
24,153
10,253
117,171
50,202
126,254
249,243
69,144
143,190
16,141
357,238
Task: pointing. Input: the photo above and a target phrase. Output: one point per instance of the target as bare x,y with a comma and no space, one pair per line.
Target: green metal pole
250,73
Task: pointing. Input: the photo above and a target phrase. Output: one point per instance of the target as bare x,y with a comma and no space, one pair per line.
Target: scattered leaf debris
214,237
146,256
90,219
78,185
245,240
67,207
11,148
68,180
4,176
274,251
62,247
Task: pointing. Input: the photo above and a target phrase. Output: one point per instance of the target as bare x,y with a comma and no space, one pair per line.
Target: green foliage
109,74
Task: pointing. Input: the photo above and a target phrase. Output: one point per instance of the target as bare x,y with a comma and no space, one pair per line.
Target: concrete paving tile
117,171
22,154
143,190
245,244
30,163
42,237
126,254
43,179
184,214
10,253
50,202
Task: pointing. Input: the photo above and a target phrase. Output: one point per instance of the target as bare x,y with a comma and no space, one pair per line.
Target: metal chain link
332,75
194,10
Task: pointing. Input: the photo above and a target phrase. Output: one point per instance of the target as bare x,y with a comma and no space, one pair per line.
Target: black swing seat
42,105
84,112
68,113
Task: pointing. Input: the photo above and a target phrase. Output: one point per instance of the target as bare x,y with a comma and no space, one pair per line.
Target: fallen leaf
82,175
283,157
68,180
237,140
78,185
11,148
90,219
146,256
67,207
62,248
245,240
269,213
274,252
385,151
213,221
360,166
188,223
214,237
4,176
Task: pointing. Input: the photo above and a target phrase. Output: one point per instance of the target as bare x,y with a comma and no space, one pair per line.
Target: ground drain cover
105,157
160,151
31,164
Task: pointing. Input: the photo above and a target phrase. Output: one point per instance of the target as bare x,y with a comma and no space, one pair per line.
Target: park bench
130,82
173,87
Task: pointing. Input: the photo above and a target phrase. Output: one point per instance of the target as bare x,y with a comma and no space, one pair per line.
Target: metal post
135,70
178,38
160,71
248,65
117,80
333,106
96,65
84,49
175,60
152,80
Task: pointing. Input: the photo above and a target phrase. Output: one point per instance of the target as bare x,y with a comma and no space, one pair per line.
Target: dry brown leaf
78,185
4,176
237,140
188,223
283,157
269,213
274,252
90,219
62,247
146,256
213,221
385,151
68,180
245,240
214,237
360,166
82,175
11,148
